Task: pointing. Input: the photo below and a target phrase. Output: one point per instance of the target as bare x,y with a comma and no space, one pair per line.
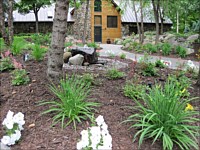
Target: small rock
14,92
33,80
76,60
66,56
86,64
189,51
31,125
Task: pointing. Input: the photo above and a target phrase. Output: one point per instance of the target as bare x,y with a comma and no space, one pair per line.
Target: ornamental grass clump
38,52
71,104
164,114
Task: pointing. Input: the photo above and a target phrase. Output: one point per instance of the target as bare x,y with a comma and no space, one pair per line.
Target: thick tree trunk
55,54
198,79
2,24
142,25
10,21
36,21
156,15
138,26
161,19
85,22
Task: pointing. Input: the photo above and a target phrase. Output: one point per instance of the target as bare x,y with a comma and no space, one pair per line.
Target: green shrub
38,52
71,102
6,64
88,78
68,44
92,44
151,48
2,45
41,39
181,51
164,115
122,56
128,40
166,49
115,74
159,64
20,77
18,45
134,91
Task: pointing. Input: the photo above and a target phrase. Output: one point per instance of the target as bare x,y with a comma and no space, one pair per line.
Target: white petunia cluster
96,137
166,63
13,124
191,65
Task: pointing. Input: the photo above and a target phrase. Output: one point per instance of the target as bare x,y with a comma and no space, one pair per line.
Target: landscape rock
76,60
189,51
127,45
193,37
66,56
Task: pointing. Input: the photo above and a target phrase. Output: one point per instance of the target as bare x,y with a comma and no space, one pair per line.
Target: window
112,21
97,21
97,5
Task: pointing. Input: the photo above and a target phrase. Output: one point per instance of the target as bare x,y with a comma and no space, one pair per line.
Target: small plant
20,77
88,78
18,45
165,115
166,49
38,52
6,64
115,74
68,44
134,91
13,126
181,51
160,64
71,102
92,44
41,39
122,56
151,48
2,45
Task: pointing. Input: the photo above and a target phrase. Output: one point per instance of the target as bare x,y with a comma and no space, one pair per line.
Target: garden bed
108,92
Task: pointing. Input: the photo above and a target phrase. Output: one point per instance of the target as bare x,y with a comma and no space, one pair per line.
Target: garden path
111,49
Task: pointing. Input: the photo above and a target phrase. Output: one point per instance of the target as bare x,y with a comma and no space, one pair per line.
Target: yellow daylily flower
189,107
183,91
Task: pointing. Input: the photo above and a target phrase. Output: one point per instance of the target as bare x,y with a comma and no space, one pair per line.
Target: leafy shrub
92,44
128,40
6,64
115,74
38,52
134,91
20,77
122,56
2,45
68,44
41,39
18,45
159,64
71,102
166,49
166,116
151,48
88,78
181,51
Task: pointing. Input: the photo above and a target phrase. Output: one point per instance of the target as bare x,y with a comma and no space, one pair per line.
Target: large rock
76,60
168,37
189,51
127,45
193,37
66,56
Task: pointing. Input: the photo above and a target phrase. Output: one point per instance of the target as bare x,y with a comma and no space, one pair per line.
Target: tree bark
156,15
10,21
138,26
161,19
85,22
177,22
55,54
2,24
198,79
36,21
142,25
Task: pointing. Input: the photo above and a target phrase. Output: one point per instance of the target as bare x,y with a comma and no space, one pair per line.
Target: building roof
44,15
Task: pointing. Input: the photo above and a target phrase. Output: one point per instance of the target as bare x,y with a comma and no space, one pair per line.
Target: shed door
98,34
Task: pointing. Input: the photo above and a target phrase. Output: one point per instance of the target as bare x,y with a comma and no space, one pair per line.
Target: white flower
104,127
20,127
99,120
5,140
19,118
8,122
16,136
9,115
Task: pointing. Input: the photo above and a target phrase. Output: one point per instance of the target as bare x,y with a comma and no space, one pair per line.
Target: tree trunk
2,24
142,25
156,15
10,21
85,22
161,19
55,54
138,26
36,21
177,22
198,79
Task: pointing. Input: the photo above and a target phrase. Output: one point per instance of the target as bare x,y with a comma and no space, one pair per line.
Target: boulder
193,37
189,51
66,56
127,45
76,60
169,36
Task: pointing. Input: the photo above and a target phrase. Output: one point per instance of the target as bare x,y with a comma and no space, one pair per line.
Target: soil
108,92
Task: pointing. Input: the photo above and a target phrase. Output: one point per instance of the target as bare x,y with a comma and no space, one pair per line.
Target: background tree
2,23
27,6
156,5
85,21
55,54
10,21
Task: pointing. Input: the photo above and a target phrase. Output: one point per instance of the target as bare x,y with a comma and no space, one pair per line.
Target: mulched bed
107,92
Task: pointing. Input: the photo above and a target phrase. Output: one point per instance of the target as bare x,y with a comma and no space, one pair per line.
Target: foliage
88,78
41,39
115,74
2,45
18,45
92,44
134,91
71,102
166,48
20,77
122,56
128,40
159,64
6,64
164,115
181,51
68,44
38,52
151,48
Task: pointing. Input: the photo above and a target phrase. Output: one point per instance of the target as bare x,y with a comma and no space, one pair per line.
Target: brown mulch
109,93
